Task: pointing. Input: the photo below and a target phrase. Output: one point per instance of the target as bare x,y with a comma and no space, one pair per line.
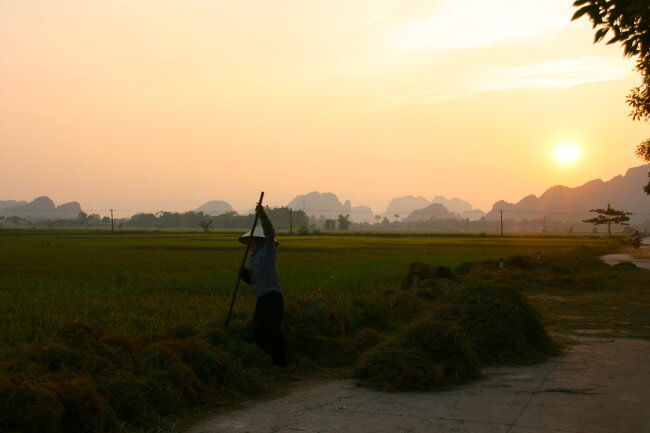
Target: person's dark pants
268,326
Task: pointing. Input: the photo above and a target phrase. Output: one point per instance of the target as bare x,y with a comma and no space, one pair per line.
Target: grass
148,283
577,391
103,333
579,296
426,355
642,253
502,327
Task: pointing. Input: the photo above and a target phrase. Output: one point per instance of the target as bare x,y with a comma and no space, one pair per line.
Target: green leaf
595,14
600,34
580,12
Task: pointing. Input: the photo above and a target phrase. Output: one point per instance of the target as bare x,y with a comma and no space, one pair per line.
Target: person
262,275
636,237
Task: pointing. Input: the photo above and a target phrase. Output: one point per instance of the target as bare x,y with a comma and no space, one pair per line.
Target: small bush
625,266
87,381
106,352
28,407
310,318
368,337
313,329
124,392
398,365
56,356
333,351
85,410
166,392
464,268
215,334
406,306
426,355
423,275
185,331
446,343
521,262
374,312
124,343
502,326
209,363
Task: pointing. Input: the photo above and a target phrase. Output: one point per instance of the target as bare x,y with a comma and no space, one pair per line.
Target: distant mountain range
558,202
561,202
215,207
433,211
328,205
404,206
39,208
416,208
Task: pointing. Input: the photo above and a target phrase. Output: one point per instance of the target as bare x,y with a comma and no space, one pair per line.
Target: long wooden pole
243,263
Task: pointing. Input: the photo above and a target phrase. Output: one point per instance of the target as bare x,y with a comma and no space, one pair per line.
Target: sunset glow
567,153
154,105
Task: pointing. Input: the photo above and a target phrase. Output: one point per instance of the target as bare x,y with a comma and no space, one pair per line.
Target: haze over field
161,105
557,202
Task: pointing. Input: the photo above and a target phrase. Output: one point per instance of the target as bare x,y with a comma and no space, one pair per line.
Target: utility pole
501,222
290,220
112,226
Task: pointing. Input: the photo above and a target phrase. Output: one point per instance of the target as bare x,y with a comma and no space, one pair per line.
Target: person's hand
245,274
259,208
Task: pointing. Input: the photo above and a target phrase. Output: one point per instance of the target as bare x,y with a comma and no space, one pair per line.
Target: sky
166,104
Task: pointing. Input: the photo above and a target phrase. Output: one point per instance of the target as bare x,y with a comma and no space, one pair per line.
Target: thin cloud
476,23
543,75
369,21
553,74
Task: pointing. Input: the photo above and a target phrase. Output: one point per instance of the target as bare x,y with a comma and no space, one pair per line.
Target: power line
340,211
560,213
460,213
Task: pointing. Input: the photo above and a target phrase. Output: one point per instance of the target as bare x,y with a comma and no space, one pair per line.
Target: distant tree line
538,225
282,217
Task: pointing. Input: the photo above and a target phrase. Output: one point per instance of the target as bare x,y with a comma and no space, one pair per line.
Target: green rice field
151,282
124,332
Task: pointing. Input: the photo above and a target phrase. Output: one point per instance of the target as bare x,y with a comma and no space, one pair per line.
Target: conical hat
259,233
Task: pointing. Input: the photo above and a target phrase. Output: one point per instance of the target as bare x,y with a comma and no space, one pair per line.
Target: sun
567,152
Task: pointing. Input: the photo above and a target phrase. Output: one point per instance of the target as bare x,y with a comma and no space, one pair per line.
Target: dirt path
613,259
598,386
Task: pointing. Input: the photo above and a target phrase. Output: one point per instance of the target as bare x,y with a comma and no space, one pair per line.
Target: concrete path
598,386
614,259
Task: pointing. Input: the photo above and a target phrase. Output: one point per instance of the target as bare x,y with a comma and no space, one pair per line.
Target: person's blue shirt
261,264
